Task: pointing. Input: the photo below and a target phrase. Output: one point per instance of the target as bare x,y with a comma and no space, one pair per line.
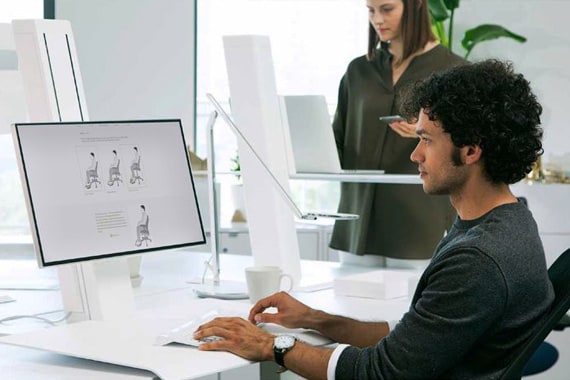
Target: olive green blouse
396,220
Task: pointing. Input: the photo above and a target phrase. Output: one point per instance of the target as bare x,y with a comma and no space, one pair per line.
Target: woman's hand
404,129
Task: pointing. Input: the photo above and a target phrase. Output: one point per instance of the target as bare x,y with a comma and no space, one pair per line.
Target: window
312,42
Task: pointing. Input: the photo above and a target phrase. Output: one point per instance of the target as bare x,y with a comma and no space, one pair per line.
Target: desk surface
163,301
411,179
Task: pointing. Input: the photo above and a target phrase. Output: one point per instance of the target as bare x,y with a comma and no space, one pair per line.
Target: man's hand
290,312
404,129
239,337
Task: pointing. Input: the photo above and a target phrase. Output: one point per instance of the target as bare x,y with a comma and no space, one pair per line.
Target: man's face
440,163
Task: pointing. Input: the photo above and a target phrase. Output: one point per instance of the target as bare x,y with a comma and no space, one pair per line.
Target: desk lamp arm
212,197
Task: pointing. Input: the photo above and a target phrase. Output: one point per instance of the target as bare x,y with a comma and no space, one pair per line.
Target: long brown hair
415,27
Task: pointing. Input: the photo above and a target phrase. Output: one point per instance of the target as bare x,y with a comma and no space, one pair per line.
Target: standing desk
163,301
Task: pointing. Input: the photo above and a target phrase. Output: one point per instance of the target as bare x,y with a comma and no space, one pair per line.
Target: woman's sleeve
339,120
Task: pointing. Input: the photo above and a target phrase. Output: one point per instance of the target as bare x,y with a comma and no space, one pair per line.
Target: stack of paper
379,284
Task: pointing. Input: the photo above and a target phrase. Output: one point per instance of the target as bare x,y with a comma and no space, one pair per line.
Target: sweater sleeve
464,295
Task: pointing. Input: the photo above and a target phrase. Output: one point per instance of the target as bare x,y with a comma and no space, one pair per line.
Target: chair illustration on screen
115,174
136,168
92,176
559,274
143,234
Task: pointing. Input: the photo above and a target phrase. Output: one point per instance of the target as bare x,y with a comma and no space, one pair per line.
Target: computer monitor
97,191
107,188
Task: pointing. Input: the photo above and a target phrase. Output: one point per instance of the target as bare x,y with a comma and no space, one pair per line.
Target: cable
36,316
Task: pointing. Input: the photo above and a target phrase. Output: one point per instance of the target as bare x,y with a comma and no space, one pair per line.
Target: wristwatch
281,345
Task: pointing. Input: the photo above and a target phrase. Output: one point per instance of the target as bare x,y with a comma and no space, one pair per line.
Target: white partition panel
255,109
48,63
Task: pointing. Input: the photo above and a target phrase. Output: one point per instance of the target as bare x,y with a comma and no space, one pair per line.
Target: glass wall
312,42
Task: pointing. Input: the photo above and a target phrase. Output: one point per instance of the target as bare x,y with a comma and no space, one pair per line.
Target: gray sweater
479,299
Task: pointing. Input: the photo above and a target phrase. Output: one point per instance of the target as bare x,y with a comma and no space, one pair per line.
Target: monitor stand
98,290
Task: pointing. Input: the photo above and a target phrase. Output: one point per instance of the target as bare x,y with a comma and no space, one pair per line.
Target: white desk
163,301
412,179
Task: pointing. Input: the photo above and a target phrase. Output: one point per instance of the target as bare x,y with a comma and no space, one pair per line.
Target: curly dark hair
485,104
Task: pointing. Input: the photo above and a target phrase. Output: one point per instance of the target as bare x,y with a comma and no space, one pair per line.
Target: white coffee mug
263,281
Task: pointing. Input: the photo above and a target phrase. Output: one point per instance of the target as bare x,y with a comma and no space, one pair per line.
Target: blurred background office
149,59
146,58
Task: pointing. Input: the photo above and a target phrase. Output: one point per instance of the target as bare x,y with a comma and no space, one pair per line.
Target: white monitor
107,188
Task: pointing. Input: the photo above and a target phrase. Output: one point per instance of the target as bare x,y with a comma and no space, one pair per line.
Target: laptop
312,215
309,137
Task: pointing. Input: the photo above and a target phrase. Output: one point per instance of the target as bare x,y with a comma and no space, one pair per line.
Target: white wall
543,59
136,57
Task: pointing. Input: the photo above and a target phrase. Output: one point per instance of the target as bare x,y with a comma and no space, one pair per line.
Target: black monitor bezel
31,210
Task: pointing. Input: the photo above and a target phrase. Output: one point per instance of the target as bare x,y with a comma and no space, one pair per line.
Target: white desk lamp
219,291
313,215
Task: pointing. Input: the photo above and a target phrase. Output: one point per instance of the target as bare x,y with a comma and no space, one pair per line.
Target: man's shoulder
506,233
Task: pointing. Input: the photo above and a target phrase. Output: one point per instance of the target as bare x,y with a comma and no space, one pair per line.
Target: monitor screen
108,188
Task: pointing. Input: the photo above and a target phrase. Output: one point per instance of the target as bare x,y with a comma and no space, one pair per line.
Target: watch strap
279,354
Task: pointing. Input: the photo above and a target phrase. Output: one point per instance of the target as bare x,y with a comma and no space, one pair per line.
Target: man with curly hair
487,286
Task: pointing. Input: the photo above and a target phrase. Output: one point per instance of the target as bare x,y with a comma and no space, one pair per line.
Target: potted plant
443,11
236,166
238,196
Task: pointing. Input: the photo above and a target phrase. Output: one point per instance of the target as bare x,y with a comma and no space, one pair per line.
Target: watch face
284,341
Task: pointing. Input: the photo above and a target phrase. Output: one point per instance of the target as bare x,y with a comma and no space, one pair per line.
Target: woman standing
397,221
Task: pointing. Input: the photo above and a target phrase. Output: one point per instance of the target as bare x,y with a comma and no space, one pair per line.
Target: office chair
92,176
559,274
144,234
136,171
563,323
115,174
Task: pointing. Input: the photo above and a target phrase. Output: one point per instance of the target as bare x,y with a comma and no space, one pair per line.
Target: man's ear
471,154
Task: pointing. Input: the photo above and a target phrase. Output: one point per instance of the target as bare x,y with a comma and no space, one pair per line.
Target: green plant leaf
439,30
451,4
484,33
235,163
438,10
